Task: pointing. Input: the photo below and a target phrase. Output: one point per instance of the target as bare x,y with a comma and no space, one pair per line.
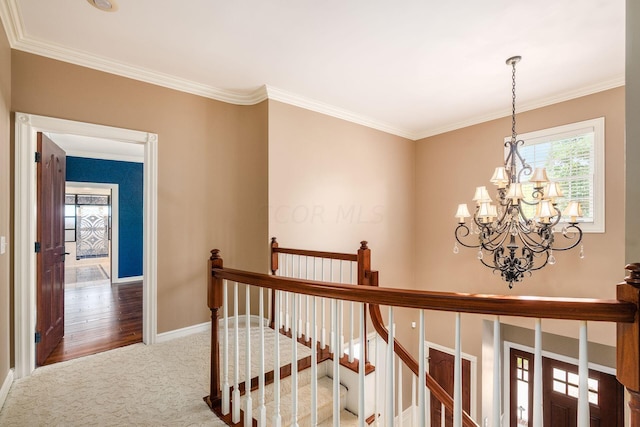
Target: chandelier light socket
462,213
481,195
544,211
573,211
552,191
515,193
539,177
500,177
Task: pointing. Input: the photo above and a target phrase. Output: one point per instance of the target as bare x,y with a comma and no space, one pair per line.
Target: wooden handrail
499,305
317,254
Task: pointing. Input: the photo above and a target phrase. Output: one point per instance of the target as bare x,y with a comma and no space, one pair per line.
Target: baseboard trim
6,385
125,280
183,332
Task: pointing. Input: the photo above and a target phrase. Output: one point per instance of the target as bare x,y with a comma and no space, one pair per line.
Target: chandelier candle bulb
462,212
539,177
553,191
515,193
481,195
515,244
573,211
500,177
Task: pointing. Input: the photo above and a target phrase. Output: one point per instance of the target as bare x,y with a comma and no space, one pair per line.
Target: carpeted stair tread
324,409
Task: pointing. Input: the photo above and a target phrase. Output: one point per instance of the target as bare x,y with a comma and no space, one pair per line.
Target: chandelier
507,240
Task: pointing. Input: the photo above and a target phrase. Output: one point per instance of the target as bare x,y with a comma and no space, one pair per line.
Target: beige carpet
159,385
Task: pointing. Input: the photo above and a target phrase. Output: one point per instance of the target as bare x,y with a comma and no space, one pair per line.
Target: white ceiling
412,68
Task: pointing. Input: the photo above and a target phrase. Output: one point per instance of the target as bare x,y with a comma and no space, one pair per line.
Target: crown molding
527,106
281,95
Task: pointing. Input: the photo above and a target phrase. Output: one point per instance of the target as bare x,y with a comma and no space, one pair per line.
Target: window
573,155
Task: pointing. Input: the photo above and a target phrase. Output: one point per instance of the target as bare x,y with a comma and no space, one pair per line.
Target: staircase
325,400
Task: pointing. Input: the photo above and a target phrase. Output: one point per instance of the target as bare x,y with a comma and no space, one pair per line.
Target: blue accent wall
129,177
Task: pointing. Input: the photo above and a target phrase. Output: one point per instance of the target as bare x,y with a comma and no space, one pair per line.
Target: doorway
26,128
560,393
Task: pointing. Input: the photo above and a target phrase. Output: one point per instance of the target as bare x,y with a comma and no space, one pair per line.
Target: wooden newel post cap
273,240
215,254
633,278
363,245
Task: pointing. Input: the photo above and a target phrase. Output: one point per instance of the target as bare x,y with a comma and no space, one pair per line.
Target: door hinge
37,247
38,157
38,338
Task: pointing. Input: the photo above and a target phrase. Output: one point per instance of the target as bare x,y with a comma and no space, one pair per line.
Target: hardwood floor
99,318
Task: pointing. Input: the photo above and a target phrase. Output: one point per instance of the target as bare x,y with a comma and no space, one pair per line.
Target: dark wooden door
560,403
521,386
51,173
441,367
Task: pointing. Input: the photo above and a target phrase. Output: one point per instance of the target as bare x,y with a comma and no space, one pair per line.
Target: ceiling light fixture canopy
516,244
104,5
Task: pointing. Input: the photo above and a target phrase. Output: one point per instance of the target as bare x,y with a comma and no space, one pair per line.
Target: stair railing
622,311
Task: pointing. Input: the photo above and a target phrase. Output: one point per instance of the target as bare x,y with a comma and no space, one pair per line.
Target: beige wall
212,169
333,183
5,202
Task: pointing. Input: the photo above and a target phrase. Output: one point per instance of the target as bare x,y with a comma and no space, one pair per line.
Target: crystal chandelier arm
569,233
461,232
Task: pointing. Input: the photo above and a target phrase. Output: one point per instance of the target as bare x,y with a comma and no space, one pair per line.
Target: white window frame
567,131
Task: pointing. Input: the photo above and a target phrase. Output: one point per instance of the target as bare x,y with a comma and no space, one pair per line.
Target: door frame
25,219
115,240
506,386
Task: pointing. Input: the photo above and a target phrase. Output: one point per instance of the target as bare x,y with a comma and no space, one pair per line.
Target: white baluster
334,320
361,365
341,319
422,369
583,378
443,418
277,418
262,409
400,405
235,416
323,308
496,373
248,401
336,368
414,419
314,364
294,365
390,380
457,377
299,313
225,351
351,326
537,376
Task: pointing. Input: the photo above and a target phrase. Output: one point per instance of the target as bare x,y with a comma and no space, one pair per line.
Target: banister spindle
225,354
457,374
314,364
248,401
336,366
361,366
495,415
351,323
277,418
294,364
390,377
583,378
262,409
422,410
235,415
537,376
323,310
400,404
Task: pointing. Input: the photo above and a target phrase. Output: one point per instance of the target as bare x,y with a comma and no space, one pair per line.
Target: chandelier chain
513,101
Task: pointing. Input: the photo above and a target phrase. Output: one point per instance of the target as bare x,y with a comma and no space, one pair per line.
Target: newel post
628,343
364,268
214,300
